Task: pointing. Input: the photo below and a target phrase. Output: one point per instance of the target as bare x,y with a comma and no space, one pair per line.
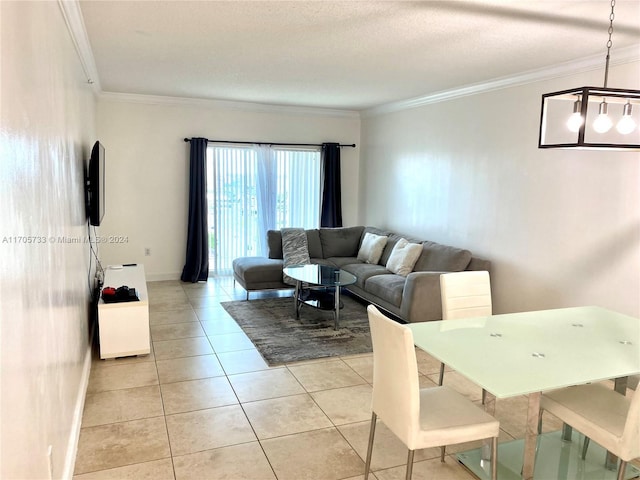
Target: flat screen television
95,185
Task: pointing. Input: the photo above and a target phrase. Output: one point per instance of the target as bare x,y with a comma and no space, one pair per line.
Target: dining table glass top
520,353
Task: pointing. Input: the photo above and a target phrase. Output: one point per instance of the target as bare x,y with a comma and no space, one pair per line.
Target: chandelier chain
609,42
612,15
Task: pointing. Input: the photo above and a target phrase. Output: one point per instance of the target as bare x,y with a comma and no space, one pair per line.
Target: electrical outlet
147,252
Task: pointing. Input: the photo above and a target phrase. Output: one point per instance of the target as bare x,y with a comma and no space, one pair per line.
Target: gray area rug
280,338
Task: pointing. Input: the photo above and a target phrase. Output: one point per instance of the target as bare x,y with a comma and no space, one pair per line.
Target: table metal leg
489,403
296,299
337,308
621,385
531,436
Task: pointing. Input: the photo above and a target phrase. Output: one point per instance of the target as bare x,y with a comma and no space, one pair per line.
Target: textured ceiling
349,55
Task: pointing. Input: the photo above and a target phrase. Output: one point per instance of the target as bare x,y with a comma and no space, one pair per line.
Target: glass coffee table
319,287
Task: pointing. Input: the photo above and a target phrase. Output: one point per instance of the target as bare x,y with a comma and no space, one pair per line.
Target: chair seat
594,410
450,418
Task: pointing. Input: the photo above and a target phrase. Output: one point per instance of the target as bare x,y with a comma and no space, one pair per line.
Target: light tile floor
204,405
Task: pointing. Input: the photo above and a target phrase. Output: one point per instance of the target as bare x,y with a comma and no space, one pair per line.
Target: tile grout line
240,403
228,377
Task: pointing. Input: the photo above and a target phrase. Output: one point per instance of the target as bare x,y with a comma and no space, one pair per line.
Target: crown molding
225,104
75,24
623,55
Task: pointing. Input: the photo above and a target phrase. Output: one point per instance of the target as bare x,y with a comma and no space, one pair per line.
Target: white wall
148,167
47,116
561,227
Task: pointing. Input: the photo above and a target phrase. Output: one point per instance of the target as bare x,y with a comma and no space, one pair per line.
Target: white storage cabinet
124,327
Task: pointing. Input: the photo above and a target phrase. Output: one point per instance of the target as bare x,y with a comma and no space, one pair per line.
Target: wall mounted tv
95,185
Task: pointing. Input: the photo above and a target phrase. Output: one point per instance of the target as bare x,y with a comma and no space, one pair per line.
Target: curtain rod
272,143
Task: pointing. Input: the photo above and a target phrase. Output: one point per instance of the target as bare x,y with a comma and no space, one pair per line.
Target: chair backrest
396,389
630,441
465,294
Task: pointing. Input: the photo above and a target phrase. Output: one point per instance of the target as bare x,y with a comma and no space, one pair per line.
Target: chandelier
592,117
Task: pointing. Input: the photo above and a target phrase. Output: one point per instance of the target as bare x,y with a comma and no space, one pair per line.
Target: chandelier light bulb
626,124
602,123
575,121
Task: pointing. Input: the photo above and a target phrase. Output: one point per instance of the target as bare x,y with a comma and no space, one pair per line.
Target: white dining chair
601,414
633,384
464,295
431,417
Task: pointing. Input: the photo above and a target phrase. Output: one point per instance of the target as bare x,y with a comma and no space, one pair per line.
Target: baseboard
158,277
74,435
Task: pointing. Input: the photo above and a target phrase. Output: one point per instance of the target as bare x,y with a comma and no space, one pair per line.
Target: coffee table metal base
326,301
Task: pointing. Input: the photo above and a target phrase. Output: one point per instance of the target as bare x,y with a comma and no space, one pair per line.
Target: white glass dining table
531,352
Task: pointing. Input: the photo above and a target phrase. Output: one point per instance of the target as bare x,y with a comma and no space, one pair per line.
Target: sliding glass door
254,188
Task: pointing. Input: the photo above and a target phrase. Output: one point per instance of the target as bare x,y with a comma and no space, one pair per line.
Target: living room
561,227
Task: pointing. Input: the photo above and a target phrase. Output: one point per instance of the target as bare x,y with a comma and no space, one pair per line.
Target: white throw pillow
403,257
371,248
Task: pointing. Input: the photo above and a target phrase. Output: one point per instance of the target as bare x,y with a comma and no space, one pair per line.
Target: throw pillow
371,248
403,257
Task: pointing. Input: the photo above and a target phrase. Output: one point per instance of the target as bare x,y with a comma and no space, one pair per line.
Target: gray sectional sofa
413,298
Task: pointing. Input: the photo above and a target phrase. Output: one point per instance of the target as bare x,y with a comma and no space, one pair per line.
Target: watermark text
61,239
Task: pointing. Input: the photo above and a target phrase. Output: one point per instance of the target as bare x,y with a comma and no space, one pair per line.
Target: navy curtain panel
196,267
331,209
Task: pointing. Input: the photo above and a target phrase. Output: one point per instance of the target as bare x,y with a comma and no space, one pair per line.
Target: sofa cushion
371,248
274,243
387,287
313,241
323,261
340,242
341,261
363,271
392,239
442,258
403,257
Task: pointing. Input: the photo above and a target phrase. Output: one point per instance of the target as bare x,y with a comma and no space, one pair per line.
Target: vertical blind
251,189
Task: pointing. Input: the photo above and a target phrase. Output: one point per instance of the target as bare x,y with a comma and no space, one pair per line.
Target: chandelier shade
591,118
